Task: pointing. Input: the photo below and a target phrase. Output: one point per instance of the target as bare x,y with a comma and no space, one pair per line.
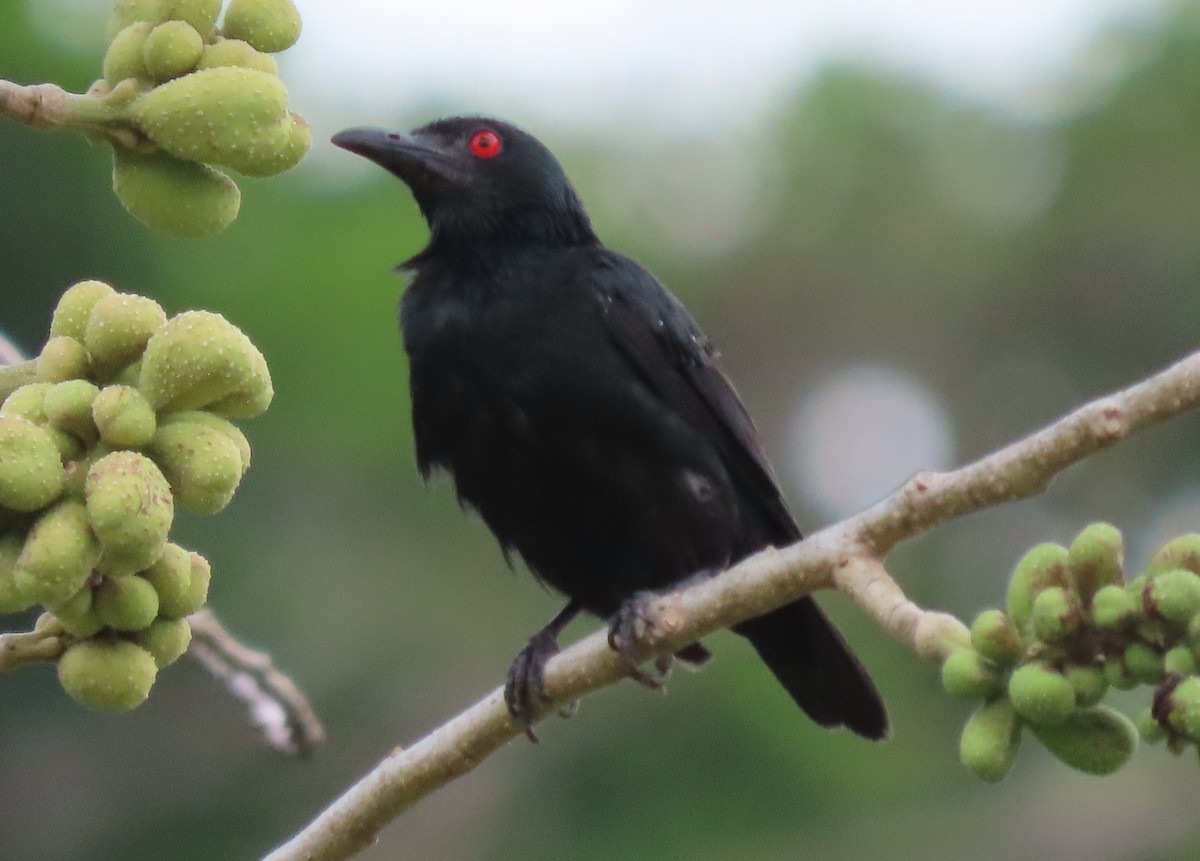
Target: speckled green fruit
235,52
230,116
1089,683
68,406
77,614
165,639
1174,595
1042,567
201,14
171,49
31,472
75,306
124,56
130,508
197,359
1055,615
268,25
1180,661
216,423
62,358
12,599
1182,552
58,556
118,329
967,675
1095,559
126,603
171,577
203,465
126,12
1113,608
1040,694
123,417
990,740
1144,663
1183,712
178,197
28,402
109,676
1094,741
995,637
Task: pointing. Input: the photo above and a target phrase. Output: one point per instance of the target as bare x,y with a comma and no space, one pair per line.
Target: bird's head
479,180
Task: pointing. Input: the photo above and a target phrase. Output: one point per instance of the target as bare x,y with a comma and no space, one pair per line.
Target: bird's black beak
404,155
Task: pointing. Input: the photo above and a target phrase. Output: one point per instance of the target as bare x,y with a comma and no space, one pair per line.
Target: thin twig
847,556
277,707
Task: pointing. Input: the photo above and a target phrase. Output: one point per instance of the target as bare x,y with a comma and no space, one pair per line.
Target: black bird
580,411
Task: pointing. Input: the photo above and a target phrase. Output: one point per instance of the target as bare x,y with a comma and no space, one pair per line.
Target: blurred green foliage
1016,265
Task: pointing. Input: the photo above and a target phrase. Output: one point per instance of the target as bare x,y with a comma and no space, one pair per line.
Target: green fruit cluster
197,97
1074,628
128,419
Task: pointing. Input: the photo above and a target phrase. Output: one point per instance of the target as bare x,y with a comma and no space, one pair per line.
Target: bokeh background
905,263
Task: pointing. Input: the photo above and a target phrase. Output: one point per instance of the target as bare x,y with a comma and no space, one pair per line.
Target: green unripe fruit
31,473
28,402
118,329
179,197
268,25
61,359
200,14
990,740
965,674
1149,728
1144,663
173,48
68,406
1174,595
75,306
230,116
126,12
124,417
130,509
1182,552
1095,559
171,578
1040,694
251,398
203,465
58,556
111,676
124,57
77,615
216,423
12,599
1094,741
165,639
199,580
1042,567
126,603
1089,684
1113,608
1055,615
1118,675
197,359
235,52
1183,712
1180,661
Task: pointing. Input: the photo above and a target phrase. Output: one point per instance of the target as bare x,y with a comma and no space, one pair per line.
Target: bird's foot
631,625
524,687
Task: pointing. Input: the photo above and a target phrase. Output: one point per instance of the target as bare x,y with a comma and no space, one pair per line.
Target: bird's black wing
667,350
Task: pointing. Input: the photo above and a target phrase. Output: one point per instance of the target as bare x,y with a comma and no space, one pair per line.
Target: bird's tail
814,664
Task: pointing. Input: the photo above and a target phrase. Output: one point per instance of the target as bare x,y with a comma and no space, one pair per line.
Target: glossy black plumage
578,407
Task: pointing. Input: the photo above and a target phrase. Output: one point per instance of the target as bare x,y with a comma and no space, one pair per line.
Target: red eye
485,143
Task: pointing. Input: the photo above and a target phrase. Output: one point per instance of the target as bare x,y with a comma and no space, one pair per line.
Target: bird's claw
524,687
630,626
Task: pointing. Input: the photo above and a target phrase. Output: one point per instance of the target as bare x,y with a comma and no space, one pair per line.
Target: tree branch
847,556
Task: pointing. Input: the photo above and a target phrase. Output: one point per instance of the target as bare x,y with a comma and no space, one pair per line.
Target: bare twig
277,707
32,647
847,556
42,106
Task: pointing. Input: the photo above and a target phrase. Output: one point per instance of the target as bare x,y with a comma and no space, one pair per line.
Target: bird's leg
524,693
630,625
